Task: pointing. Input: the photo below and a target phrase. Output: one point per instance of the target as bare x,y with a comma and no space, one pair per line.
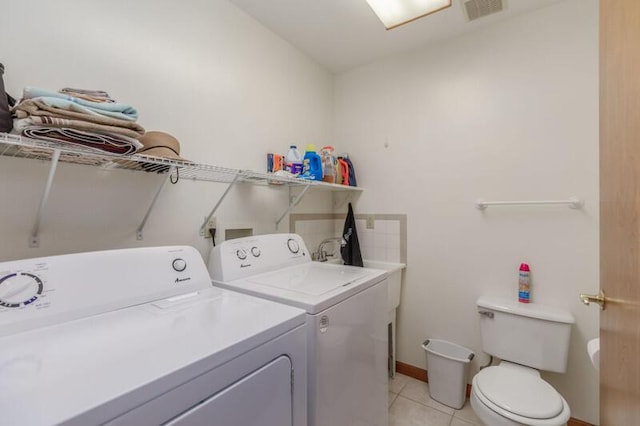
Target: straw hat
160,144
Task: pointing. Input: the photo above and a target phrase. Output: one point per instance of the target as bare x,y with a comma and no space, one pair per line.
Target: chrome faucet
321,255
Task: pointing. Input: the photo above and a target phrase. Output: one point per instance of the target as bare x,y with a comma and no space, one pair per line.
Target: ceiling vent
476,9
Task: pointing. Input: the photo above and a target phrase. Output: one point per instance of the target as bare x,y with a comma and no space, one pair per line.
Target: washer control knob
293,246
241,253
19,289
255,251
179,265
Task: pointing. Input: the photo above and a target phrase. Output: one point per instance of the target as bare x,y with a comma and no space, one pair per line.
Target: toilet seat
520,395
519,392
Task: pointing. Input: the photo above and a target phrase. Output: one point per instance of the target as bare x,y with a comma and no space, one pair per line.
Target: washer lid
312,286
311,279
519,392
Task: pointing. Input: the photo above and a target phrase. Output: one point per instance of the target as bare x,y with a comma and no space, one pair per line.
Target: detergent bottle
328,164
351,175
343,171
294,160
312,164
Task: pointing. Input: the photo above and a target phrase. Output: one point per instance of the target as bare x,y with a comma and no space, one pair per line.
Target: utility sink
593,349
395,280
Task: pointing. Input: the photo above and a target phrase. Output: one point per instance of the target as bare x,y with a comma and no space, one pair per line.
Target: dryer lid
519,392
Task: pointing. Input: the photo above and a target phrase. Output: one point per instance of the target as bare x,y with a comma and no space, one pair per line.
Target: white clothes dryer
140,337
346,321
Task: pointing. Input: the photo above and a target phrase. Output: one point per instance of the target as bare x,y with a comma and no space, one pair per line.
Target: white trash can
447,367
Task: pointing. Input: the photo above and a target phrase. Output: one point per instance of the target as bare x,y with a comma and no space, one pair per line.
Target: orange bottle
344,171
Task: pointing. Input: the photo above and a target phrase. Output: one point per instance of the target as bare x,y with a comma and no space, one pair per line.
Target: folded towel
60,100
88,95
49,121
115,144
33,107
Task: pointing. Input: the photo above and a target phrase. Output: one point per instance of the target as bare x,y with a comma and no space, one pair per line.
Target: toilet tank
529,334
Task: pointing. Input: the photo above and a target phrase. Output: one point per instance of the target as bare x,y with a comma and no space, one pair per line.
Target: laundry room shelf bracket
210,215
34,238
293,202
165,180
339,201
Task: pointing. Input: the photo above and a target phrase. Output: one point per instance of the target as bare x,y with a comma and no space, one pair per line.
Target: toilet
526,338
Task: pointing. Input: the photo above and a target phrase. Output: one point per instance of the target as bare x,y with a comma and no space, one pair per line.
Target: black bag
6,122
351,250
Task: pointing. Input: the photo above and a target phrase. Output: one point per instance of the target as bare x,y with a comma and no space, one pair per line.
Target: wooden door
620,212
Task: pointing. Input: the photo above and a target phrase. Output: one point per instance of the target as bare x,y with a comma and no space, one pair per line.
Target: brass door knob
599,298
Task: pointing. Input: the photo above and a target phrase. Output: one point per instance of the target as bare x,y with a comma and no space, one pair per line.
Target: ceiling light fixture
394,13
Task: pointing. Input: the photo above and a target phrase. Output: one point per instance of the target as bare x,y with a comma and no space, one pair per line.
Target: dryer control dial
293,246
241,253
19,289
179,265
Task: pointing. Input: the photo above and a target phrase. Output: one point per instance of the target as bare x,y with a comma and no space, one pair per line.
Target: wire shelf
17,146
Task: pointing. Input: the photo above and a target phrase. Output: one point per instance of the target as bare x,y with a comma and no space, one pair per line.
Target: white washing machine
140,337
346,321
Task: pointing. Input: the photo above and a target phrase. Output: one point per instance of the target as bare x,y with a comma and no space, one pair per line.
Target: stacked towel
89,118
100,141
89,95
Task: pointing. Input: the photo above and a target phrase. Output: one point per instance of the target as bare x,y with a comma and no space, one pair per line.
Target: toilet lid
519,392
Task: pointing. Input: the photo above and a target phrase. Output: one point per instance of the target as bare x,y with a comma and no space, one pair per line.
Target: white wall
226,87
510,112
507,113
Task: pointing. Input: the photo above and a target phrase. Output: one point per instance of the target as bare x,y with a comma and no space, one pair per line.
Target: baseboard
411,371
576,422
422,375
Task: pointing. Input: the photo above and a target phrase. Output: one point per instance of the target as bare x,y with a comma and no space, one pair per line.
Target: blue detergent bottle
312,164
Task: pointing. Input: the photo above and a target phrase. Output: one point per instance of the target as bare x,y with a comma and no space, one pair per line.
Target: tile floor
411,405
